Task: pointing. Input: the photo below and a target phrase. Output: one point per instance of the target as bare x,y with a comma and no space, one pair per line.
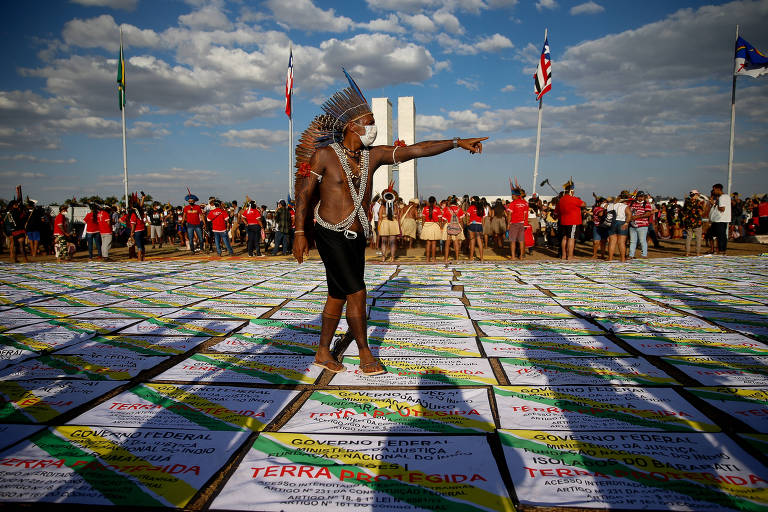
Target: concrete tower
406,131
382,112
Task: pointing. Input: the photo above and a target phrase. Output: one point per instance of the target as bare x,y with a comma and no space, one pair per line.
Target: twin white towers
408,183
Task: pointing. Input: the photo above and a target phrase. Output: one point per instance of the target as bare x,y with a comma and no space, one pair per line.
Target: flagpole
733,125
538,139
122,112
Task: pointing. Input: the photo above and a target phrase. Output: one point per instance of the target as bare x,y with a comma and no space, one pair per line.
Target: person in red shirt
569,217
453,230
431,231
218,218
104,220
638,228
475,212
517,213
61,235
251,216
136,221
599,231
92,234
193,217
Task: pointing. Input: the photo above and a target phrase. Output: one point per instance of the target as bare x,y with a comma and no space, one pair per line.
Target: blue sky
640,97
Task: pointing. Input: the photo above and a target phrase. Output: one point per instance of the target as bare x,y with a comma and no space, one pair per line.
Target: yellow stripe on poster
93,368
416,367
209,408
430,414
419,347
27,401
267,368
470,494
176,491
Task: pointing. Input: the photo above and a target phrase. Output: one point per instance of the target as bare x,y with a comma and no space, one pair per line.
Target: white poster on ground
588,371
695,344
515,312
306,472
136,344
543,347
427,371
39,401
11,434
634,470
723,370
456,328
189,407
538,327
130,467
86,367
431,411
181,327
749,405
245,368
427,346
591,408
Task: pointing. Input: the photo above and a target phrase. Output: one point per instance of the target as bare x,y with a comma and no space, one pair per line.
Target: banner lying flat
542,347
416,314
515,312
39,401
11,355
139,345
300,473
456,328
588,371
427,371
454,411
638,309
114,466
110,312
11,434
207,312
402,345
657,324
749,405
245,368
418,302
694,344
189,407
181,327
724,370
758,441
87,367
634,470
590,408
538,327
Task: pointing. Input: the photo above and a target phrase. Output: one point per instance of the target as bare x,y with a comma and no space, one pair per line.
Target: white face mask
369,136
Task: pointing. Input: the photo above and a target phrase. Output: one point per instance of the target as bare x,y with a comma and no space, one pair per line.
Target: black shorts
344,261
567,231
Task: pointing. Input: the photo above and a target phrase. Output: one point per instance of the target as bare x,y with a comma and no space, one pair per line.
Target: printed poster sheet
267,336
538,327
139,345
132,467
417,314
181,327
422,328
39,401
306,472
427,371
749,405
431,411
634,470
205,312
426,346
542,347
694,344
590,408
723,370
86,367
245,368
11,434
657,324
11,355
189,407
587,371
516,311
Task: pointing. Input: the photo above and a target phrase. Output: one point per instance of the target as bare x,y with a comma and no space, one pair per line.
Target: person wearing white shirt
720,215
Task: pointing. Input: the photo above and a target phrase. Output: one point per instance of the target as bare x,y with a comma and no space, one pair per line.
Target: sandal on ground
327,365
372,368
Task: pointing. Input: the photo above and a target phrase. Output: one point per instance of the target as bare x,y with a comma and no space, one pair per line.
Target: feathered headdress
348,104
568,184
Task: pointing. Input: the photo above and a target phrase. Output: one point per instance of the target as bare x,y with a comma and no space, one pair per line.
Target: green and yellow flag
121,78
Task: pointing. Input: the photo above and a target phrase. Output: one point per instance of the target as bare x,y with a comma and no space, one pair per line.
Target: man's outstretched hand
300,248
472,145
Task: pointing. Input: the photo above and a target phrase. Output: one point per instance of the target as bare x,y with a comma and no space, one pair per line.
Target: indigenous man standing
336,164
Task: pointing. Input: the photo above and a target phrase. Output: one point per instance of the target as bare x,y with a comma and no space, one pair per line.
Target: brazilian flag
121,78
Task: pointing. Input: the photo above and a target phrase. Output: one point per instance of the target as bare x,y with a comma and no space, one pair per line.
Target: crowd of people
451,226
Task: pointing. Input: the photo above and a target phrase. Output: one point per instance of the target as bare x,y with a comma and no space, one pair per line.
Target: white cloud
587,8
305,15
208,17
126,5
255,138
492,43
227,113
480,105
37,159
546,4
448,21
389,24
23,174
103,32
472,85
420,22
508,88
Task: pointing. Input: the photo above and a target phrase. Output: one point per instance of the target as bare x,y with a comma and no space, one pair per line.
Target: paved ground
539,386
